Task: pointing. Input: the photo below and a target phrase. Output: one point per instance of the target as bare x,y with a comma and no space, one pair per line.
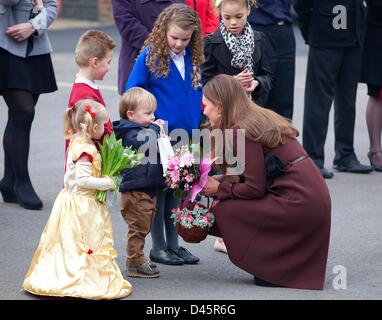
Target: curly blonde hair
158,58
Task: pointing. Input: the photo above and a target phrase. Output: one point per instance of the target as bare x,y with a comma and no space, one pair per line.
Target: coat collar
222,53
217,37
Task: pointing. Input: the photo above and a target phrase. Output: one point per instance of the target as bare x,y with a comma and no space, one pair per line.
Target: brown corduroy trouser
138,209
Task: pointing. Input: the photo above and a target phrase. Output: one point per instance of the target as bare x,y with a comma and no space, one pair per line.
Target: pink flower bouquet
192,219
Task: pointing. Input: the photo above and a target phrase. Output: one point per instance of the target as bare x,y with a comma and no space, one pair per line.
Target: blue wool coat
178,102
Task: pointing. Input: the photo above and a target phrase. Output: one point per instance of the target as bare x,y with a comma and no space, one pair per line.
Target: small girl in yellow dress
75,256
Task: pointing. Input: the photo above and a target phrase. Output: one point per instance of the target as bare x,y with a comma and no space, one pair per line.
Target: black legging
21,110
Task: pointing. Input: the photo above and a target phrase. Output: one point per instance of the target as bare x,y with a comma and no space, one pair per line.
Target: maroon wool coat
135,20
278,231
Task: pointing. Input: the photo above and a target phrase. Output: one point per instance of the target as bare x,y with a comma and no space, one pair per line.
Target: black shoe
186,255
27,197
370,155
353,166
165,257
8,193
263,283
327,174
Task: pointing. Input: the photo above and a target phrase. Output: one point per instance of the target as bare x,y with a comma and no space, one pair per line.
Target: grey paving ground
356,201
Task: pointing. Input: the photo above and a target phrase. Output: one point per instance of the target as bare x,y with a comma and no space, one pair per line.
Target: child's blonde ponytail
82,116
68,126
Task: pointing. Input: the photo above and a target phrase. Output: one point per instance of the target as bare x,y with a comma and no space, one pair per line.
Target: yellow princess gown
75,256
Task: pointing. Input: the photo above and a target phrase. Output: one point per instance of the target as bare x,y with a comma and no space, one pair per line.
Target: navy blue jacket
145,177
315,19
269,12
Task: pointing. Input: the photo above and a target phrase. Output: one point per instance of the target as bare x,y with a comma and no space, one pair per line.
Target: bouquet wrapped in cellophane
115,158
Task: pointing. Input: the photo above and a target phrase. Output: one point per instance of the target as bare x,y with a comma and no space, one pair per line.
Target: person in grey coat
134,20
26,72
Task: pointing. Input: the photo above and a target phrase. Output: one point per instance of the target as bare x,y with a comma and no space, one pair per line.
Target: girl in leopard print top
235,49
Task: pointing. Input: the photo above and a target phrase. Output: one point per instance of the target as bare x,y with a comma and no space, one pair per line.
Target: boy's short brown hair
93,43
135,97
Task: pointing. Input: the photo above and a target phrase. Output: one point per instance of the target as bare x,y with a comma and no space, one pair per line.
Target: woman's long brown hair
238,110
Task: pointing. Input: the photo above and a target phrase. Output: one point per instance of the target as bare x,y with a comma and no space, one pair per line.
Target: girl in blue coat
169,68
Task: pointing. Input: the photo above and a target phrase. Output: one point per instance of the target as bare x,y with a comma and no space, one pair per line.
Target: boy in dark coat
138,187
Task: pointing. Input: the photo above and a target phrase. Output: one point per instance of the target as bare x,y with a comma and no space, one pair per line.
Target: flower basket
193,234
193,221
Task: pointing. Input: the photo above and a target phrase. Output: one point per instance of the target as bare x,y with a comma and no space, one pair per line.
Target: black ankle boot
263,283
8,193
27,197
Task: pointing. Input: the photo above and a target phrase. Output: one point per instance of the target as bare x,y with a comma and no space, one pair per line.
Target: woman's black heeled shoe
8,194
370,155
263,283
27,197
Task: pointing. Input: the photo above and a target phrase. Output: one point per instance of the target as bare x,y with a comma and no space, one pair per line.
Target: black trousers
332,75
281,56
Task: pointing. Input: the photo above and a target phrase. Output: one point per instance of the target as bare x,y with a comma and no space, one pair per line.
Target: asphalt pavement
355,247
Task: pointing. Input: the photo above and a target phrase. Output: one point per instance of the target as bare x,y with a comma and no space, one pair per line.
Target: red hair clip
88,108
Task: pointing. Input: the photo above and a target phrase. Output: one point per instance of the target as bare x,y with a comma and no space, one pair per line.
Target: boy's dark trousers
138,209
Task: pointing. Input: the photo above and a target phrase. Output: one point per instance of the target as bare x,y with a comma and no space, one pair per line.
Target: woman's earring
219,115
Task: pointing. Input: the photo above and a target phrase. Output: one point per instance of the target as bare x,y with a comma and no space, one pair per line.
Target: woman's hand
21,31
38,3
252,86
211,187
245,78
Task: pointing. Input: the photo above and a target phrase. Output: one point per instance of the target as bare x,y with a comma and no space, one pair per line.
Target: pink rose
174,176
189,177
186,160
173,163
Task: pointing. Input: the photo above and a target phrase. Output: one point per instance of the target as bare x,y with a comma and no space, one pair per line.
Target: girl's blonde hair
237,109
158,58
82,117
134,98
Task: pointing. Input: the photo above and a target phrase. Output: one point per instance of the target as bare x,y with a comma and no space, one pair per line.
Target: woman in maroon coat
275,228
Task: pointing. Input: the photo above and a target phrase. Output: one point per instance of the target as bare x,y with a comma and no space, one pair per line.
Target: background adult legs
323,66
16,181
374,127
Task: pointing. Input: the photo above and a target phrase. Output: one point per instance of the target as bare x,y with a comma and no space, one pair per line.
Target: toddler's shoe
151,264
143,271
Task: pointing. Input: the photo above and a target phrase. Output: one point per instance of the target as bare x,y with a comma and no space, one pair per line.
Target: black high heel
8,194
27,197
263,283
370,155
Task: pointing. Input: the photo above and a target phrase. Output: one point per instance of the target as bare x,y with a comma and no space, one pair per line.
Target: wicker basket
193,234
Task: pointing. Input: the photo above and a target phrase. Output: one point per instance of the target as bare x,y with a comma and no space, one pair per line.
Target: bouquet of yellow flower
115,158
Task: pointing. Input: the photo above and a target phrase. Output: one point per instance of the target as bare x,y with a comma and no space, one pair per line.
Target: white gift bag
165,149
